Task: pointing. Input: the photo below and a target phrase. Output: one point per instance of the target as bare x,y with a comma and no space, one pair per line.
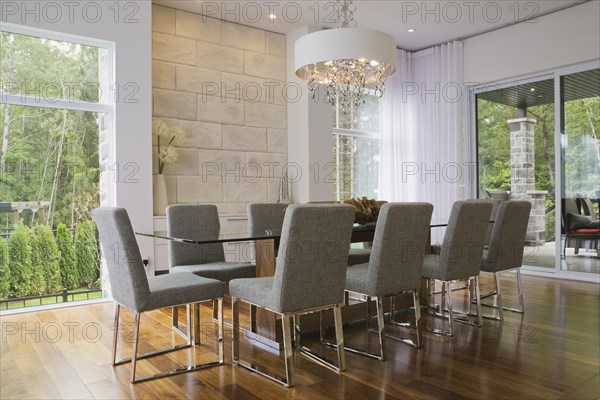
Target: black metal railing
63,297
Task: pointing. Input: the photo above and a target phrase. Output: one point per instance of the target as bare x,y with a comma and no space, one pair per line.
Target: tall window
356,150
54,108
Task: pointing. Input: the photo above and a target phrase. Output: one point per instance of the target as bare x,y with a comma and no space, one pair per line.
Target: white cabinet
234,252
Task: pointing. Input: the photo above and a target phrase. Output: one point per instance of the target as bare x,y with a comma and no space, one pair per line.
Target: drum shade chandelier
348,61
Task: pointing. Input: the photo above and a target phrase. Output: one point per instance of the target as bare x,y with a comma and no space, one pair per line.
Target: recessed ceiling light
272,17
411,30
532,89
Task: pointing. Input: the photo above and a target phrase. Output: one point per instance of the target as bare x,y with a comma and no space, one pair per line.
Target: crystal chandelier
349,62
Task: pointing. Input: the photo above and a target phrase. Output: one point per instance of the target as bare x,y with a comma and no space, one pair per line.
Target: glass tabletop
239,234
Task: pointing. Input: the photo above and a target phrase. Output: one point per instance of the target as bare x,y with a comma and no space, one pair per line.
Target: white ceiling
434,21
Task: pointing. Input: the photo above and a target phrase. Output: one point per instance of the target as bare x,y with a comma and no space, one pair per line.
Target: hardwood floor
550,352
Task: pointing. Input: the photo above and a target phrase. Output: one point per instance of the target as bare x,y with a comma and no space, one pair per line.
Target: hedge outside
87,253
19,254
32,263
4,271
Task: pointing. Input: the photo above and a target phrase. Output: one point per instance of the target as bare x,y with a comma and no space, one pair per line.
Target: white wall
568,37
310,133
133,121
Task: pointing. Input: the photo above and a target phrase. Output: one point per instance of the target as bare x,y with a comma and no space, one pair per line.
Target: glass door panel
580,155
515,146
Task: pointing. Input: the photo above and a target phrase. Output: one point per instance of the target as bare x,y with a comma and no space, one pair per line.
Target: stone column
537,219
522,163
522,157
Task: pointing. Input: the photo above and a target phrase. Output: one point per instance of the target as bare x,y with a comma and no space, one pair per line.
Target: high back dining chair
506,249
206,260
309,277
265,216
133,290
461,252
495,204
396,263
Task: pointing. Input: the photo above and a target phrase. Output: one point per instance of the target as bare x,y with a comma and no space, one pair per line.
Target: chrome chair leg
136,332
381,328
417,304
297,337
369,316
339,337
221,330
116,333
499,296
450,310
520,289
477,294
287,350
235,337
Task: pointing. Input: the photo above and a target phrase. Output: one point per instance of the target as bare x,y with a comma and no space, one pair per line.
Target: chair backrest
128,281
588,208
313,256
264,216
508,239
195,221
462,247
399,244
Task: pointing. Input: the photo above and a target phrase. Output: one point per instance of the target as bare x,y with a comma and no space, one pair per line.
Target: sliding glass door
537,139
580,166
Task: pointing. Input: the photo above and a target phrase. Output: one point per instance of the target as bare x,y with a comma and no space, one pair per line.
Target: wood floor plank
550,352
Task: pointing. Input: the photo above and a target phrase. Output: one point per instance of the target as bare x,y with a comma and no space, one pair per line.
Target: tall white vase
161,201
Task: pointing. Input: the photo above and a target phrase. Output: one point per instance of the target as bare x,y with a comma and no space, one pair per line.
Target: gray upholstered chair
206,260
133,290
265,216
309,277
396,263
506,249
461,252
435,249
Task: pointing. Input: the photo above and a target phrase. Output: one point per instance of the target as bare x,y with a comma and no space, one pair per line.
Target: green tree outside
87,253
38,279
4,271
68,262
48,247
19,250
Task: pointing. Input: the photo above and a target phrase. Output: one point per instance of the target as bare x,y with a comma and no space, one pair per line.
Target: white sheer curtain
422,135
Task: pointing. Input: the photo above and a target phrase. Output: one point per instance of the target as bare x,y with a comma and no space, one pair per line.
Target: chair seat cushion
356,279
358,256
223,271
258,291
183,288
586,231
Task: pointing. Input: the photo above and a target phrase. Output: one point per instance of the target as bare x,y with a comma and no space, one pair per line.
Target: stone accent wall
224,84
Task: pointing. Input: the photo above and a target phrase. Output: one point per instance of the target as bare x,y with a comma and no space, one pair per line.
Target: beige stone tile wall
223,83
